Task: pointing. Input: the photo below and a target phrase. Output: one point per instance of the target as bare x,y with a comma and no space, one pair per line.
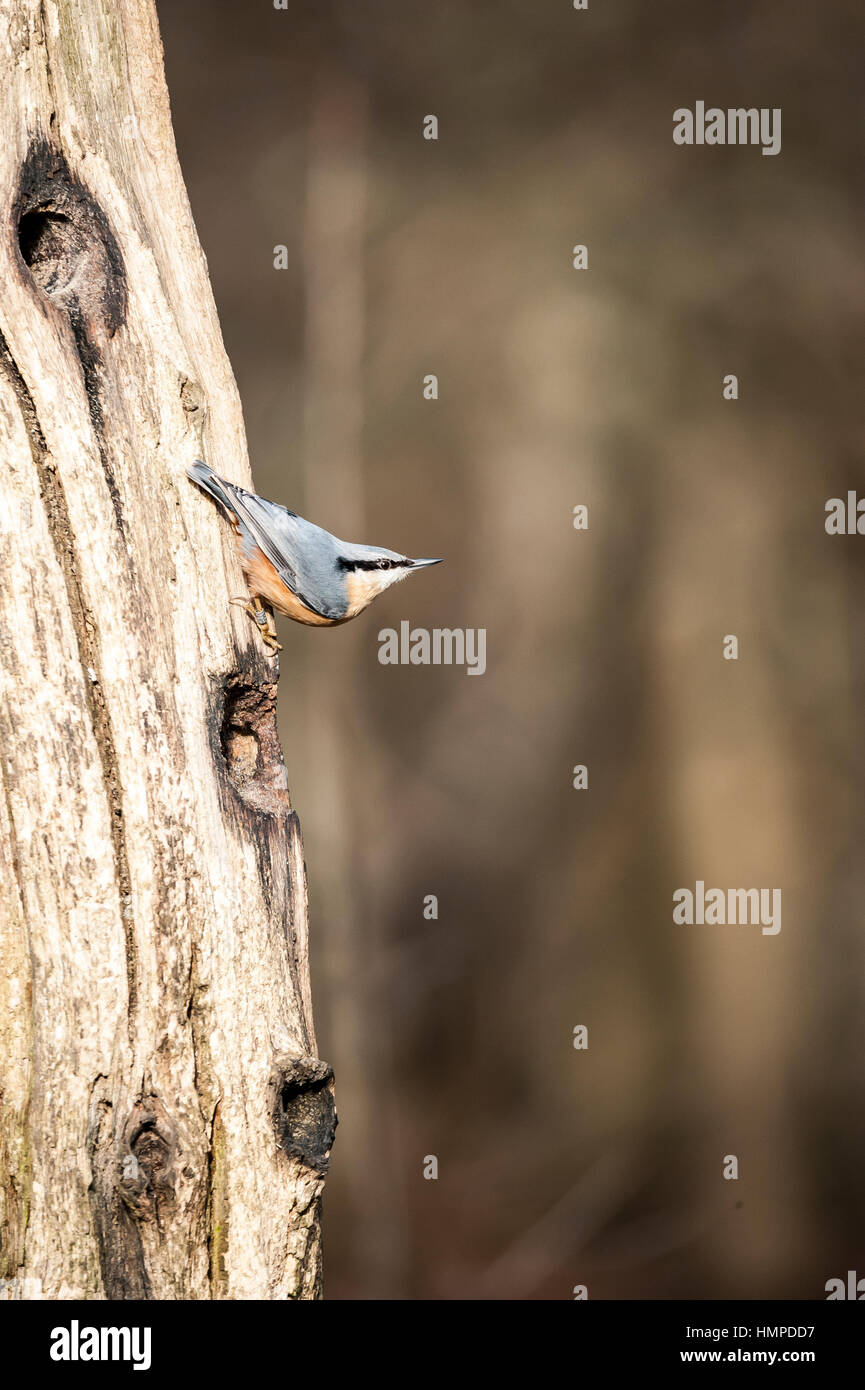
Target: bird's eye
382,564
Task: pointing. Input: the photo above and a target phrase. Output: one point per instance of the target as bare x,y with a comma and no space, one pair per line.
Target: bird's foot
263,621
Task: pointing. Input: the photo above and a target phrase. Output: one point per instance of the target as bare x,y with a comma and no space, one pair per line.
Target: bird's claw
263,622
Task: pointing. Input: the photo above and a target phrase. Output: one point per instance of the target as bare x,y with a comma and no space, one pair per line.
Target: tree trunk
165,1123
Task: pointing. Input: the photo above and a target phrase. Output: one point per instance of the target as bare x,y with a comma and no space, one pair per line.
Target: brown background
559,387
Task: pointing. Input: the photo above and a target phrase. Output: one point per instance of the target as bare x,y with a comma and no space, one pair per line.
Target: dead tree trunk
164,1120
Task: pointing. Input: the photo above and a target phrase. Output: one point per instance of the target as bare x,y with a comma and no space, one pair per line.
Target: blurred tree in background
453,1037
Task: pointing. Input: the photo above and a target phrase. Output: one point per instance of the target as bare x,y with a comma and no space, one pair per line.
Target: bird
296,567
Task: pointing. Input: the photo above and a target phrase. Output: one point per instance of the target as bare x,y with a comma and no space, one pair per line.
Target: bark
165,1123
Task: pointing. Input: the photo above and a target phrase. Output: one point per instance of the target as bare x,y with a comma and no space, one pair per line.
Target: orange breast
264,581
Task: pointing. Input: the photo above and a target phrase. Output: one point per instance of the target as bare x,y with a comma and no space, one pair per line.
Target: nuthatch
296,567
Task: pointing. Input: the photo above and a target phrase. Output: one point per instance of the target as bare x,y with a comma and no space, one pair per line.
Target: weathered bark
164,1120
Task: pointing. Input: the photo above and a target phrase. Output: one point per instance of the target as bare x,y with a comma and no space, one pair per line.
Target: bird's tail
204,475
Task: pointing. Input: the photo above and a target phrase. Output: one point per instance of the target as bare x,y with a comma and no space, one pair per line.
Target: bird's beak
419,564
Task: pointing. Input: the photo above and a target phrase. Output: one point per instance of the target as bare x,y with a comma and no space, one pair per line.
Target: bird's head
368,570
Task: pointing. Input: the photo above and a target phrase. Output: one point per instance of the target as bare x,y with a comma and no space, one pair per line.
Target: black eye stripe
382,564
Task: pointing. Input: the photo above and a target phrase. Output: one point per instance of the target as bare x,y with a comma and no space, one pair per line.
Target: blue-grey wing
303,555
311,553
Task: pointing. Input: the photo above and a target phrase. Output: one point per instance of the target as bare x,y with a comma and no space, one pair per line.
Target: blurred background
557,387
